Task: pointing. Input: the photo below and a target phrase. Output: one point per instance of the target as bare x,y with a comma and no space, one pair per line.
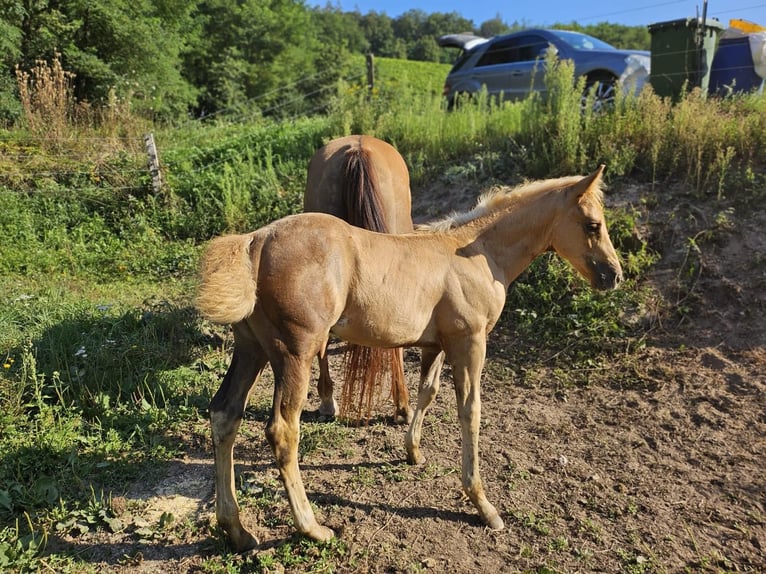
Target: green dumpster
682,54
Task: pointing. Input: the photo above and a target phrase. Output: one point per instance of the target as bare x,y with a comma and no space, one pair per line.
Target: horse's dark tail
365,367
360,191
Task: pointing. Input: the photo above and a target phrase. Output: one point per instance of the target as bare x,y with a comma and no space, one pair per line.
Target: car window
582,41
461,60
517,49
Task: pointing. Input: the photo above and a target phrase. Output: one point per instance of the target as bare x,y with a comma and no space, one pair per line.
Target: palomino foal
287,286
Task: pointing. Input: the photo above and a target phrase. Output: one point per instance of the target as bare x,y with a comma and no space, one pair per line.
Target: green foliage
554,130
20,551
131,47
303,555
105,366
242,178
277,57
261,52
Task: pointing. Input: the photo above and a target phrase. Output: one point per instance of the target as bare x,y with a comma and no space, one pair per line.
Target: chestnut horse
287,286
365,181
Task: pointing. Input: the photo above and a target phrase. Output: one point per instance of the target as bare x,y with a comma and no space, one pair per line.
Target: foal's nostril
607,276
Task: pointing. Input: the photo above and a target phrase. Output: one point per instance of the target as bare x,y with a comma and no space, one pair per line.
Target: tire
600,89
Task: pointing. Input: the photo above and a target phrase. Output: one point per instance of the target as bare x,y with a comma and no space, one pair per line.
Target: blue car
510,67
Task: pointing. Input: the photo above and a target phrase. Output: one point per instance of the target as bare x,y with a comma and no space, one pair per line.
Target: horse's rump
362,180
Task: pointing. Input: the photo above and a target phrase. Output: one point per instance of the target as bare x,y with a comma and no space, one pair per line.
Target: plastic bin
733,69
681,55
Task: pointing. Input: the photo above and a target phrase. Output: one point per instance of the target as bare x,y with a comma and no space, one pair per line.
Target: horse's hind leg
226,411
292,374
402,410
430,368
328,407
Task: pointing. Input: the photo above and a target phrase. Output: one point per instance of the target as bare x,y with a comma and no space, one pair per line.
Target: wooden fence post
153,162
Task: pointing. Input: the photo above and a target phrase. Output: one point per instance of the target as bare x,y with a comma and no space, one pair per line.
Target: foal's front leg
467,359
431,363
226,411
292,374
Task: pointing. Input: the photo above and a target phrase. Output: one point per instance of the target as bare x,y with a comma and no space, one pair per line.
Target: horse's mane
502,198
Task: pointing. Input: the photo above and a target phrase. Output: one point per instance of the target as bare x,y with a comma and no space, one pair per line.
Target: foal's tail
226,292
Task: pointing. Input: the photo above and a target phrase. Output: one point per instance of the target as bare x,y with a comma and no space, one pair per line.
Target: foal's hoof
415,458
495,522
320,533
244,542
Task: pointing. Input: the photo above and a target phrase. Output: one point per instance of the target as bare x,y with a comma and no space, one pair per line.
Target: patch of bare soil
657,465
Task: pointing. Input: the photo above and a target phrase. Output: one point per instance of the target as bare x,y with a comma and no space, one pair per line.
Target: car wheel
599,92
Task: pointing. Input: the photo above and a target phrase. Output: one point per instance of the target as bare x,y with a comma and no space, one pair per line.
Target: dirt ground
657,465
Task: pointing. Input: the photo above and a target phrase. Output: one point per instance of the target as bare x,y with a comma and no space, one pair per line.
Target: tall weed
554,128
52,112
47,97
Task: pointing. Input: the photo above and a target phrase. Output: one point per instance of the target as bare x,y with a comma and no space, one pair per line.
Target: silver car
511,66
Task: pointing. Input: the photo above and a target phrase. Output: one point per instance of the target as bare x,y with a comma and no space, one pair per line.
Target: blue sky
543,12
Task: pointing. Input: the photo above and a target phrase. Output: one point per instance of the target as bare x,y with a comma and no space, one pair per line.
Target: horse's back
391,181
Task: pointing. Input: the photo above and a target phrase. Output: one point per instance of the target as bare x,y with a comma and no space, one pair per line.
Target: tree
379,31
425,49
494,27
619,36
333,26
127,47
439,24
260,53
409,26
10,50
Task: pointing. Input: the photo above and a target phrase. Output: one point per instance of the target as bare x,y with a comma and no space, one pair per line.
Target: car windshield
582,41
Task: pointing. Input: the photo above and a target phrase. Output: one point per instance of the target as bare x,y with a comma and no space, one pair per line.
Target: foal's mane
499,199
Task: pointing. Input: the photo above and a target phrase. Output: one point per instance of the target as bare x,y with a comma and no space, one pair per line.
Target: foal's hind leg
399,393
328,407
430,368
292,374
226,411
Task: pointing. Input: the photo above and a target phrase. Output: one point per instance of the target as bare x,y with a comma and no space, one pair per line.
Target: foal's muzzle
606,275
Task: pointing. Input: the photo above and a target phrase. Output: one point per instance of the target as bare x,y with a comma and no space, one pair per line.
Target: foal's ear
588,181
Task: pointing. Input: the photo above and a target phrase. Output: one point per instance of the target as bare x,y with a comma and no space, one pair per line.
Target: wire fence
133,159
113,160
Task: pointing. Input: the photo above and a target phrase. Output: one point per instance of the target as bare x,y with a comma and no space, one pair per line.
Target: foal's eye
593,227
